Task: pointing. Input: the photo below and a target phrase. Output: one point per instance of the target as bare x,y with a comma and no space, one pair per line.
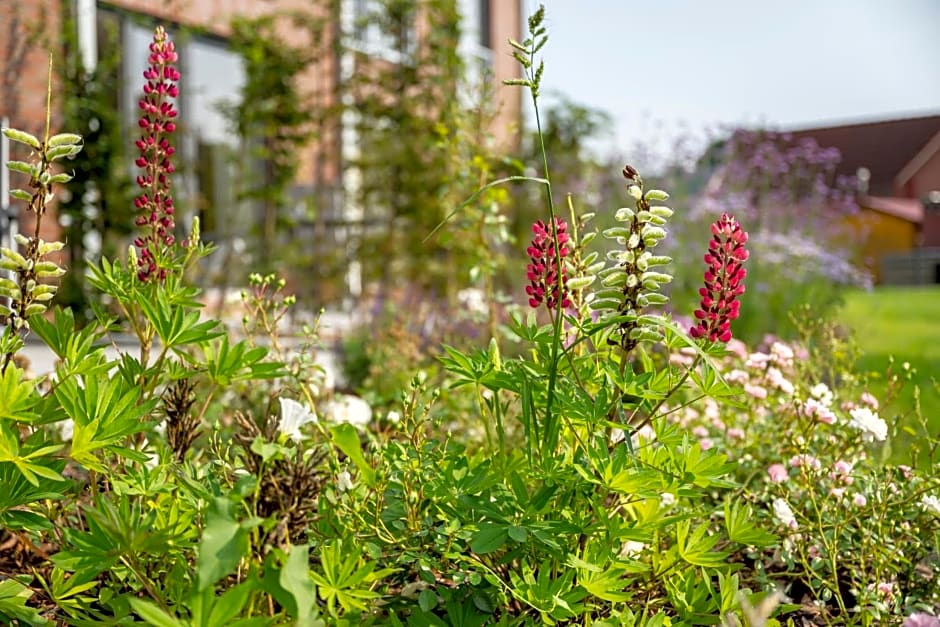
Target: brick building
213,75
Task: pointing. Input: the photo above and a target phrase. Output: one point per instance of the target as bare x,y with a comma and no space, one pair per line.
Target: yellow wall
881,234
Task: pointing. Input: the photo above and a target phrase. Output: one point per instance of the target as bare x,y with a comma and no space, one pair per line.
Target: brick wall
30,34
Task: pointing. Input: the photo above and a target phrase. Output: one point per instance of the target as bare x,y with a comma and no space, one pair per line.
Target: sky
671,69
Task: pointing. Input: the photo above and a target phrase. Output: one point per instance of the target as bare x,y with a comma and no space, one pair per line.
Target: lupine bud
724,281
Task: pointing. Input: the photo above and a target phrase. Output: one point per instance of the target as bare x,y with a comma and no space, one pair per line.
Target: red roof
884,148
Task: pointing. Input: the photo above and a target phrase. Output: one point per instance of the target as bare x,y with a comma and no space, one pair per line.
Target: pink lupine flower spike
542,272
724,281
155,204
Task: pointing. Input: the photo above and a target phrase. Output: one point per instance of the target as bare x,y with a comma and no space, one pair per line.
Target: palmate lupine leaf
105,411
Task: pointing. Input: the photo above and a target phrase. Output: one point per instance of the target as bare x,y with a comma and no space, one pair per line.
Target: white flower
784,514
776,379
153,460
473,299
293,417
66,429
667,499
781,353
617,435
931,504
344,481
868,422
631,548
822,393
393,417
348,408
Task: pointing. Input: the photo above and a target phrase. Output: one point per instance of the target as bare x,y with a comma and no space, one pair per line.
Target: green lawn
903,322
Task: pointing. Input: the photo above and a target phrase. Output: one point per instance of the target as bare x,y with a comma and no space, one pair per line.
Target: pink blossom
813,408
757,391
735,434
706,444
778,473
737,376
868,399
700,432
837,492
921,619
781,354
804,459
737,347
680,359
777,380
860,500
712,411
757,361
885,589
843,467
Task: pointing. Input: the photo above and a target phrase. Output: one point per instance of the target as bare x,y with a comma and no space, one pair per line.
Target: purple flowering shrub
796,207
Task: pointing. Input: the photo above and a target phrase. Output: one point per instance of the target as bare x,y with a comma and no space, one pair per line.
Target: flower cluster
724,280
543,272
155,203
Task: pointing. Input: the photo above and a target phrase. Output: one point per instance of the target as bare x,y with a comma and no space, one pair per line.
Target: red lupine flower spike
155,202
542,272
724,281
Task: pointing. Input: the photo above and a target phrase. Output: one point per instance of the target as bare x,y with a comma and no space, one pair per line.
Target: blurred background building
108,42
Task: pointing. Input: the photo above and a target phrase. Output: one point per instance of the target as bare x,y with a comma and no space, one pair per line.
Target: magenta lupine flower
543,271
155,203
724,281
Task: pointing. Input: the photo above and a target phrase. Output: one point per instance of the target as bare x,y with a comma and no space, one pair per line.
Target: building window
485,24
213,78
475,44
379,29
